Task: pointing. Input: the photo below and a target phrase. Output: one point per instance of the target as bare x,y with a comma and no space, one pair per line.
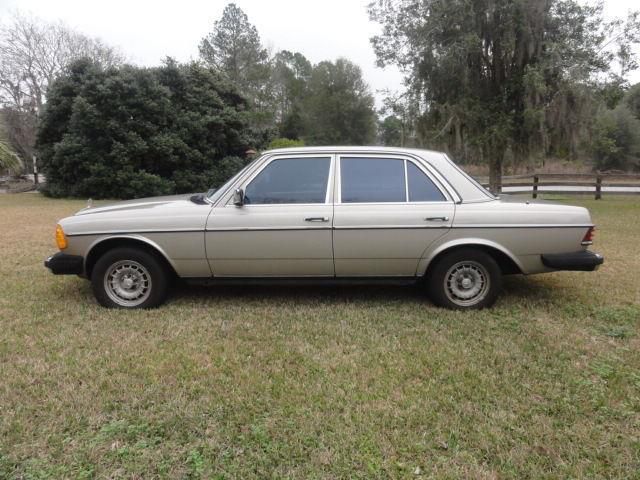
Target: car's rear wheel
129,278
465,279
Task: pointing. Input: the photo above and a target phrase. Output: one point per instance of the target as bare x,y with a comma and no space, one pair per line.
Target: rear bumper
63,264
583,261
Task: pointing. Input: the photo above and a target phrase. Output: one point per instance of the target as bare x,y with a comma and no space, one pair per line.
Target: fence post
598,187
535,186
35,170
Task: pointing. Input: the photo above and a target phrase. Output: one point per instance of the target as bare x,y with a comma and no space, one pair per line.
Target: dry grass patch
319,382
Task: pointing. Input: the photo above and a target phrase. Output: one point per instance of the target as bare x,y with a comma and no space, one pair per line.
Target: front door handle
437,219
316,219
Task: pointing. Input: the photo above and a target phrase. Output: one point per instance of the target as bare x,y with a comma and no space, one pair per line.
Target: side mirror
238,197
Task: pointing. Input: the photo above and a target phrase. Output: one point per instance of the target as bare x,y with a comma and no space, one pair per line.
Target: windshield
214,194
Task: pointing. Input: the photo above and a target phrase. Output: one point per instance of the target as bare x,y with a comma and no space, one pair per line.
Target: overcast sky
149,30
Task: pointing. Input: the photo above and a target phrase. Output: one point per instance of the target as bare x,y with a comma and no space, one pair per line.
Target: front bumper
63,264
582,261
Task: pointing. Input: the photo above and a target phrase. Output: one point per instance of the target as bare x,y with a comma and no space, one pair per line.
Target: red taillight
588,237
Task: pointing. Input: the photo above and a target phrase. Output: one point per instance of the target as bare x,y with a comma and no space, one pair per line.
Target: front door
388,211
284,227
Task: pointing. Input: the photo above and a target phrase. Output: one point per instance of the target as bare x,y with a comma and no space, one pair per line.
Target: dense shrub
616,140
285,143
132,132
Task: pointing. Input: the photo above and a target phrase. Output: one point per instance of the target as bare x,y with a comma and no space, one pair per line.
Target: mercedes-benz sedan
326,214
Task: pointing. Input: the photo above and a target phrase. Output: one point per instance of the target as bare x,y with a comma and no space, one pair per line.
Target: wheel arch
506,260
103,245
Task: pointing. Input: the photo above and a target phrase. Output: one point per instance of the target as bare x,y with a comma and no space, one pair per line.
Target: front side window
372,180
290,180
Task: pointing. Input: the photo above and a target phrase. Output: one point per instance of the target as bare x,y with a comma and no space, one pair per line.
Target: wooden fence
570,183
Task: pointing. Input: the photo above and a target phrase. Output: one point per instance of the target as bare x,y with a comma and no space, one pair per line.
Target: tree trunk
496,157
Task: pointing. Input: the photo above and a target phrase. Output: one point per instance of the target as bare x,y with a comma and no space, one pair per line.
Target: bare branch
32,54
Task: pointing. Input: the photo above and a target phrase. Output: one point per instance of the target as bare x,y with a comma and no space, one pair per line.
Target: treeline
33,54
323,104
615,135
131,132
509,82
99,127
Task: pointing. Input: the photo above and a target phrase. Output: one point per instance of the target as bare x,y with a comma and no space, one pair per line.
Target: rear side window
379,180
290,180
372,180
421,188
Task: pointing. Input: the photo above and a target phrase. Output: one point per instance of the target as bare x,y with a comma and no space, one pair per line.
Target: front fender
134,237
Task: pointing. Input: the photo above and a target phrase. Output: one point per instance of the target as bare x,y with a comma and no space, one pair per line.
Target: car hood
157,214
140,203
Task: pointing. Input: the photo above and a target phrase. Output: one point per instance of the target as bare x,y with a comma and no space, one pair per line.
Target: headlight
61,238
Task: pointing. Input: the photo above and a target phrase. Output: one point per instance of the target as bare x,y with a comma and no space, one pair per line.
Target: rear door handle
437,219
316,219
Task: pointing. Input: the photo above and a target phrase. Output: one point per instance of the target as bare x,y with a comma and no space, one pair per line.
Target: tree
339,107
234,49
285,143
290,76
20,131
32,54
632,100
130,132
290,98
404,108
9,160
390,131
502,74
616,140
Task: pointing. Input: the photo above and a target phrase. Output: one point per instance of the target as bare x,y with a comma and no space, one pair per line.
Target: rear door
388,210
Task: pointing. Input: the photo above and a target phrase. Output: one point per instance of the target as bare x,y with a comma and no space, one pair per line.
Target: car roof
432,156
467,188
355,149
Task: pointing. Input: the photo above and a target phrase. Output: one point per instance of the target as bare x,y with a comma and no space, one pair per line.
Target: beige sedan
326,214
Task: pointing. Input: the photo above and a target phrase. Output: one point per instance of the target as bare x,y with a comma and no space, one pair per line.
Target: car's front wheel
465,279
129,278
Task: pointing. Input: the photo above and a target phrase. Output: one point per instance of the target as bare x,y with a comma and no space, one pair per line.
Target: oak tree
503,74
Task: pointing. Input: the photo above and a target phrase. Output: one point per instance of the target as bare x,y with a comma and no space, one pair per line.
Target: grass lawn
319,382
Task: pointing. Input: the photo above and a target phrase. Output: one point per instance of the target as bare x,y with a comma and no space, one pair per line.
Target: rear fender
429,255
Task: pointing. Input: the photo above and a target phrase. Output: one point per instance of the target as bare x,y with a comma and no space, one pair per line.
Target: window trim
243,183
435,181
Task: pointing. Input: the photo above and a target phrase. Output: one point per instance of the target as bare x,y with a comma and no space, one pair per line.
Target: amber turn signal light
61,238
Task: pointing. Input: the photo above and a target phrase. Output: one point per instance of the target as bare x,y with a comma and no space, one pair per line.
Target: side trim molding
327,227
266,229
134,232
523,225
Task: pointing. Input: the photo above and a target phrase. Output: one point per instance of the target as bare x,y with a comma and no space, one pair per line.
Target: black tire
465,272
146,273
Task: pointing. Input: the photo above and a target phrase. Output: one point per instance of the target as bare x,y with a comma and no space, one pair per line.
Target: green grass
319,382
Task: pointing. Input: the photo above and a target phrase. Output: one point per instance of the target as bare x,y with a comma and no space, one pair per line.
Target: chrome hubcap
127,283
466,283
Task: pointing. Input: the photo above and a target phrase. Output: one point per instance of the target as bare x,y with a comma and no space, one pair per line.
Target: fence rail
570,183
